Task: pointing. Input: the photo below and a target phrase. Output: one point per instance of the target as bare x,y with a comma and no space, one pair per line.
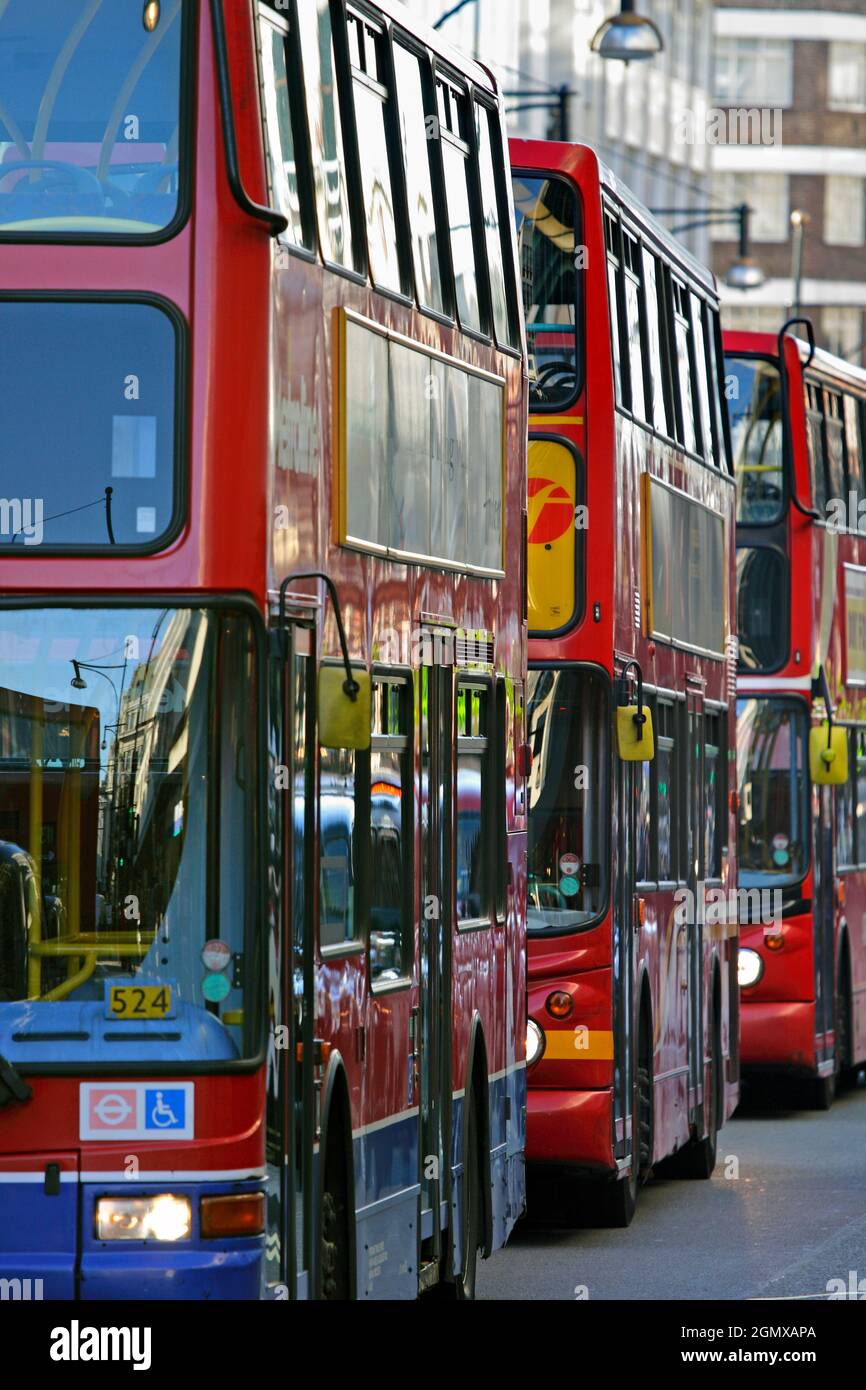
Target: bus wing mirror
634,734
828,755
344,720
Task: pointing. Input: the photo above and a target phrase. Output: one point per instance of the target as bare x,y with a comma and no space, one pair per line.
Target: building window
766,194
844,210
754,71
842,332
846,77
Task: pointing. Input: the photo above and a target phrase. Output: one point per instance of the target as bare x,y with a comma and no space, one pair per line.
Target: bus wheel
334,1227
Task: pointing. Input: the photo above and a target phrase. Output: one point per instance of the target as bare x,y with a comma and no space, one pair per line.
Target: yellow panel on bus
551,535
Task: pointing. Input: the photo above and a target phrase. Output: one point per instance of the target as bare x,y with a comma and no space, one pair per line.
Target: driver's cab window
90,117
548,240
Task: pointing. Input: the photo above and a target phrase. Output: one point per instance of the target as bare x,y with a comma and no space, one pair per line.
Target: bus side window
854,456
683,346
614,299
846,827
325,120
665,818
815,436
497,226
635,325
656,340
834,445
458,159
284,127
715,800
374,108
475,805
860,798
391,879
703,382
417,151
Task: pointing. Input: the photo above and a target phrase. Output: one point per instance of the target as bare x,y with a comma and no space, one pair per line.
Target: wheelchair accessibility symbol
137,1110
164,1109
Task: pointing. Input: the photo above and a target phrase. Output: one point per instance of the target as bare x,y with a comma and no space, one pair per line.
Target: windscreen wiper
13,1088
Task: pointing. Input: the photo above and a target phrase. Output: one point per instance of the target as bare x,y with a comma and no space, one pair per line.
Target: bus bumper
194,1268
777,1035
572,1129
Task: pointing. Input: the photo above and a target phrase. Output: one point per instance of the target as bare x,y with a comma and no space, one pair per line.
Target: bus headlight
750,967
534,1042
161,1217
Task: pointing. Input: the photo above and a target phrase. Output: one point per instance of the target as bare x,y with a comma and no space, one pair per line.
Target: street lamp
627,37
799,222
745,273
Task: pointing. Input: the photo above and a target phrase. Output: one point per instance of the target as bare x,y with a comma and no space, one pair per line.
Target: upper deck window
87,424
326,133
419,182
453,113
548,232
756,436
372,114
91,143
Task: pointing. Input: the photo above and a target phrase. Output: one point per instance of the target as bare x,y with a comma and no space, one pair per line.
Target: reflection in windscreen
127,756
89,116
568,813
772,771
754,409
546,214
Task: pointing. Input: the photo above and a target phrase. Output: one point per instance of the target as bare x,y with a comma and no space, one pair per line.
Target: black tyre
334,1245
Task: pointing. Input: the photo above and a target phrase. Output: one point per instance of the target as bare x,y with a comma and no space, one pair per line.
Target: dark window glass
339,860
372,117
457,160
283,134
762,602
613,274
715,801
474,806
666,792
756,436
703,379
856,481
495,227
846,824
128,760
633,334
860,794
391,798
643,824
548,232
417,147
815,438
834,439
656,339
683,343
568,727
87,423
89,118
773,775
326,132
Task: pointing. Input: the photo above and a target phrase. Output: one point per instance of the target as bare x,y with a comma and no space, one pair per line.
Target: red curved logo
551,511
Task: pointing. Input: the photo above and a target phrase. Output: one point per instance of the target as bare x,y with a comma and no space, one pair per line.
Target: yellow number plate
139,1001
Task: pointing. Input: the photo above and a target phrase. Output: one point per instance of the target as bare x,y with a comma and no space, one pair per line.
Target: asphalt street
783,1215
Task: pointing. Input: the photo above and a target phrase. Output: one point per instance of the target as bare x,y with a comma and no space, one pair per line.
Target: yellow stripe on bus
579,1045
555,420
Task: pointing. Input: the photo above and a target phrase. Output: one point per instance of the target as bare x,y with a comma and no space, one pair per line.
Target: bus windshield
773,776
127,835
568,728
754,406
547,237
89,117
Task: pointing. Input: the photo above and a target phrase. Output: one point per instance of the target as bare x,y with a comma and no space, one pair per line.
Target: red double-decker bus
798,422
262,654
632,1048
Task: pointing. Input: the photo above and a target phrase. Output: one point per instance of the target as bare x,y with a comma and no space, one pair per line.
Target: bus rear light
233,1215
560,1004
162,1217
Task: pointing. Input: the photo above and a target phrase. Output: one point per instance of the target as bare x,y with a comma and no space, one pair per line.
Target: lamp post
799,222
455,9
538,101
745,273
